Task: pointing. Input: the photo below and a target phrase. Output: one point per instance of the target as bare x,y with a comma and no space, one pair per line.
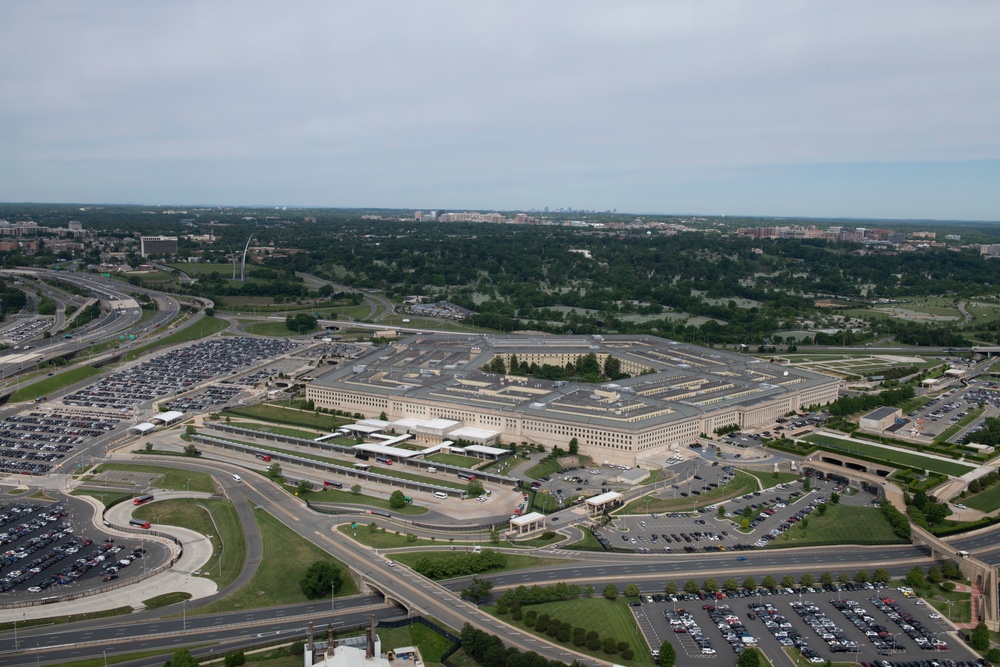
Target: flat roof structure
143,428
605,501
675,391
170,416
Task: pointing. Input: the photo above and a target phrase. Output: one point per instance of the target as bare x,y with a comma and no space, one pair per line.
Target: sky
841,108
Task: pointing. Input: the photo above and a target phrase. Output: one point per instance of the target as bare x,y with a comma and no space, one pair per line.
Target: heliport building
676,391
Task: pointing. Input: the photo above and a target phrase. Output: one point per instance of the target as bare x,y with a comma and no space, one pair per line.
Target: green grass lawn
843,524
384,539
771,479
169,478
204,327
514,561
274,329
106,497
282,415
588,543
741,485
454,460
985,501
278,430
543,469
890,456
285,560
345,497
608,618
207,517
50,385
432,645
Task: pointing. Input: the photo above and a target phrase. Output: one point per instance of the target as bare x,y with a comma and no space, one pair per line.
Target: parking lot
865,623
41,550
176,371
32,442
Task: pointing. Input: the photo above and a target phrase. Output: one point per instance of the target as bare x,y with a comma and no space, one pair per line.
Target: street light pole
333,594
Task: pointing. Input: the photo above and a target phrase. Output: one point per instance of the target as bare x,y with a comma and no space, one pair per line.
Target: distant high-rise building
158,245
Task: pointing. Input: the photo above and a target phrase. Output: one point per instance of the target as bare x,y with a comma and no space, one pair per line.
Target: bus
383,459
467,476
138,523
381,513
335,485
142,500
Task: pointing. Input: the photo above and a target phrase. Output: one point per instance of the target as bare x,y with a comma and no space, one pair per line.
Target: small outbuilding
527,523
881,419
604,502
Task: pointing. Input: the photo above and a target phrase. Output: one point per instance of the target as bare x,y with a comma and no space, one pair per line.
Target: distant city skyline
850,109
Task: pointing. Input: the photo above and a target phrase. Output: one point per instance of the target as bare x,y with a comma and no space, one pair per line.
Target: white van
441,494
432,470
236,478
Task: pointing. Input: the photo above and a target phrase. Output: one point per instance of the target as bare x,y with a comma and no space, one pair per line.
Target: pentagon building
677,391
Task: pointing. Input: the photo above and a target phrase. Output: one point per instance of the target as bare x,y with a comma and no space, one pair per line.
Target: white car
390,563
934,616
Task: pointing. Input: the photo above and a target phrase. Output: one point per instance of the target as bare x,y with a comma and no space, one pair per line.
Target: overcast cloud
854,108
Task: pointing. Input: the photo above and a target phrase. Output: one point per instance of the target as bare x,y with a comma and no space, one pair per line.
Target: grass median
206,517
50,385
840,525
169,478
285,559
609,618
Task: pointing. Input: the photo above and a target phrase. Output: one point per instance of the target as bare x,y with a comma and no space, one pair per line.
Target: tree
477,589
356,489
303,486
183,658
610,592
788,581
711,585
822,509
235,659
382,416
320,580
807,580
670,588
881,576
844,578
749,584
631,591
751,657
769,582
722,511
475,489
949,569
691,586
191,450
979,638
934,574
495,536
915,578
668,656
826,579
274,471
835,498
730,585
397,500
574,447
862,577
149,446
806,486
